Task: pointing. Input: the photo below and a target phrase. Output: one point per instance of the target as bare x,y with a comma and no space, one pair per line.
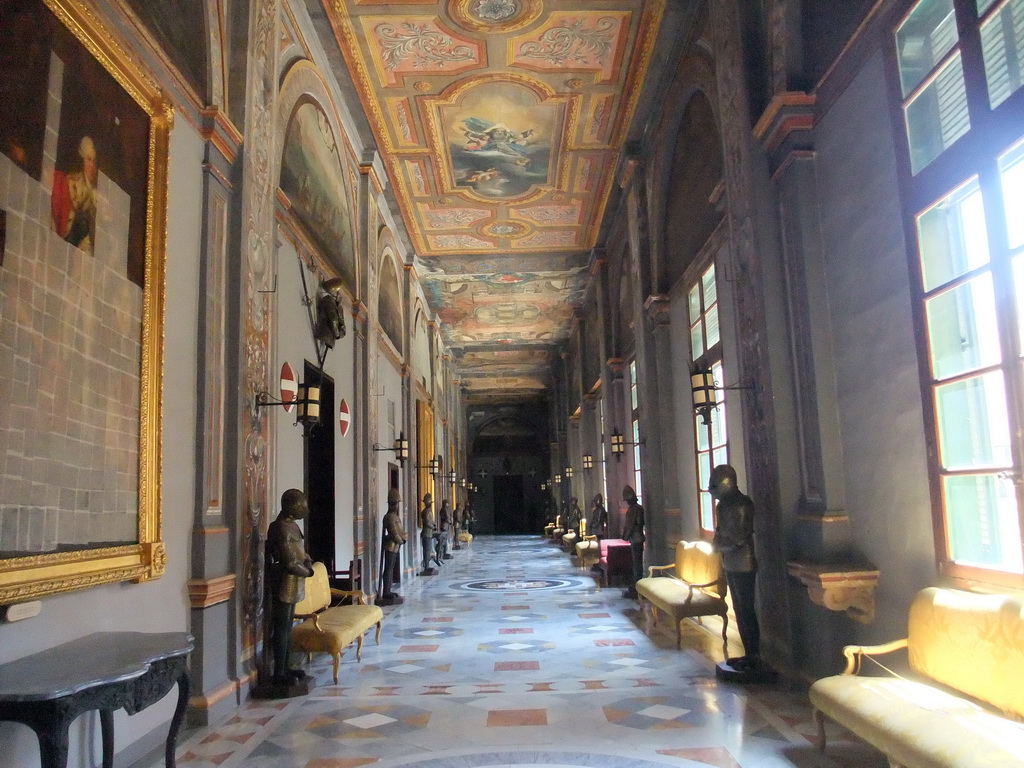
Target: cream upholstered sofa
330,629
957,643
695,586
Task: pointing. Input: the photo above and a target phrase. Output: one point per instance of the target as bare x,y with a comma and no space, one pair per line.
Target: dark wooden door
510,515
319,469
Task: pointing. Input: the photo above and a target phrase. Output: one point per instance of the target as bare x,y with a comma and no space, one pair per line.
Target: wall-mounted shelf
839,587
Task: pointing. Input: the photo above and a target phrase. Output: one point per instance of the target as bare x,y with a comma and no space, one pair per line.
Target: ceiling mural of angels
501,124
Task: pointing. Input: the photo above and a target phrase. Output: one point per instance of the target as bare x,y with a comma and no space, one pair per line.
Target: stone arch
694,97
318,177
389,300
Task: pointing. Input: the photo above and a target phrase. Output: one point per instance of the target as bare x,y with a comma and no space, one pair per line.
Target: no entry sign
344,417
289,387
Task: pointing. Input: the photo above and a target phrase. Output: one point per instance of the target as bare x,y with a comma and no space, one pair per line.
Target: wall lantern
401,448
307,401
433,466
705,400
588,461
568,473
558,479
452,478
619,444
462,482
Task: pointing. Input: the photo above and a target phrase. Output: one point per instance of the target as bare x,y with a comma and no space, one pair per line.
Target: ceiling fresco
501,123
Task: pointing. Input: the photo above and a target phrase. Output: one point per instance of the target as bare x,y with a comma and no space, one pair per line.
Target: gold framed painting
83,192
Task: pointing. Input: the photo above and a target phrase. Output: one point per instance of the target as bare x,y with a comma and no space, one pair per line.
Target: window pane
962,333
694,302
1018,285
703,444
983,523
1002,43
704,470
697,340
927,35
707,512
974,426
720,456
718,426
711,319
1011,170
938,115
710,287
951,236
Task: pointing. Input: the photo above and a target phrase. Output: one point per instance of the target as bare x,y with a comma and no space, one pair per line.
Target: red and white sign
344,417
289,387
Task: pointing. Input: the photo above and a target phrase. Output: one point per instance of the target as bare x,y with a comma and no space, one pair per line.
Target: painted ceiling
501,123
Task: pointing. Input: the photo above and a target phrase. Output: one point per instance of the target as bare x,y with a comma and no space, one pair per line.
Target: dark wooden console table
104,671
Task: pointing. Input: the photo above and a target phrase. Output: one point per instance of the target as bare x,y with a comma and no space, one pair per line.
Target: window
969,269
604,457
711,445
634,403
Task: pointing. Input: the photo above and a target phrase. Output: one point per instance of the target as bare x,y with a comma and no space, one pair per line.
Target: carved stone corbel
839,588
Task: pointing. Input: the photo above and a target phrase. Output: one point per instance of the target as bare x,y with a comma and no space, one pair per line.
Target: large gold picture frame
65,568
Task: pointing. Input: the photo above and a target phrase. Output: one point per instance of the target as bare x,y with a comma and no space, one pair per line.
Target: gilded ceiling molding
218,129
495,16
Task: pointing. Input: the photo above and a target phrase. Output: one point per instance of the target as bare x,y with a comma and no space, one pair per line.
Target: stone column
248,447
216,673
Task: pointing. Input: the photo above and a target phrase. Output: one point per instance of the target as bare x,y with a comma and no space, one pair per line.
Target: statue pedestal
279,689
390,599
427,572
745,675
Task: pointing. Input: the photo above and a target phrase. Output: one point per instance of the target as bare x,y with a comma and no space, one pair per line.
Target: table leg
107,729
53,744
184,685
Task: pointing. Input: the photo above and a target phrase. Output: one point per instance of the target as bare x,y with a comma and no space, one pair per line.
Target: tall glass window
634,401
970,270
711,442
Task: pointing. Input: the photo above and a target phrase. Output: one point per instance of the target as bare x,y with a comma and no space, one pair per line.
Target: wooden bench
327,628
964,707
695,587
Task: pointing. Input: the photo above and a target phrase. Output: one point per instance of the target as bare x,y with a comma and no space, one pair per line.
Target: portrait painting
313,177
499,139
83,160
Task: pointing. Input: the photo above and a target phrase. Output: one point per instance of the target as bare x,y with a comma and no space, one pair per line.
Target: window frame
634,427
710,357
975,154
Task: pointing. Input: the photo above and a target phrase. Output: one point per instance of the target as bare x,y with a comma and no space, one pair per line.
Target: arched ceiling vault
502,124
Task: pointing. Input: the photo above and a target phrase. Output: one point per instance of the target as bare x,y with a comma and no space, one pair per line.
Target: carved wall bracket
839,587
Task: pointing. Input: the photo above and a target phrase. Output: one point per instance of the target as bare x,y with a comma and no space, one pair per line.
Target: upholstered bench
616,560
695,587
331,629
957,642
569,541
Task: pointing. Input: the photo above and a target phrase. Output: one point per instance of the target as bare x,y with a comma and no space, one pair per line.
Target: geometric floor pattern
542,667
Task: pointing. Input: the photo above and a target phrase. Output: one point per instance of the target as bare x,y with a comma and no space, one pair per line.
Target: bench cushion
971,642
340,626
919,726
673,597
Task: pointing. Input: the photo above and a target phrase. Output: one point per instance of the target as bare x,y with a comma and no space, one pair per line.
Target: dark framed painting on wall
83,180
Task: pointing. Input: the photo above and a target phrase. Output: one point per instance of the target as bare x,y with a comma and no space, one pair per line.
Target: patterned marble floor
511,656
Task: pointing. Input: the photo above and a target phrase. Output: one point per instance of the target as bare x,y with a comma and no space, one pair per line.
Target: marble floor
512,656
